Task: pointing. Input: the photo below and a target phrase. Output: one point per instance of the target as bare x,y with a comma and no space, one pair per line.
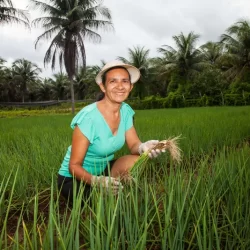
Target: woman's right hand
106,182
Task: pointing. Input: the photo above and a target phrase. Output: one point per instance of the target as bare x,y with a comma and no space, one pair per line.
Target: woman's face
117,86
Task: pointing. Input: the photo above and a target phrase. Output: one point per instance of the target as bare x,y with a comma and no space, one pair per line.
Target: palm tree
96,68
158,77
59,86
186,61
2,62
8,87
81,85
24,73
212,52
2,67
138,57
84,80
237,47
71,22
43,91
9,14
2,80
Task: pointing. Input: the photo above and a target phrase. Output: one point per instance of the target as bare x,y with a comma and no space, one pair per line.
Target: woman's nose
120,84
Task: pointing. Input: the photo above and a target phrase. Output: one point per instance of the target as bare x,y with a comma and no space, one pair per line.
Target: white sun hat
133,71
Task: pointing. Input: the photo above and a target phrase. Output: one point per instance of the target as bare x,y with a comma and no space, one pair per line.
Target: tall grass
203,203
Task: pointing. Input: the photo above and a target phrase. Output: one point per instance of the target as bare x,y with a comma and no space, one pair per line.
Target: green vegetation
203,203
216,73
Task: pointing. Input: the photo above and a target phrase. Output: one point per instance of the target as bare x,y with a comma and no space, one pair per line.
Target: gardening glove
106,182
148,147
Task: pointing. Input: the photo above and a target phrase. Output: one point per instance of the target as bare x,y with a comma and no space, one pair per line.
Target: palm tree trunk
222,98
72,95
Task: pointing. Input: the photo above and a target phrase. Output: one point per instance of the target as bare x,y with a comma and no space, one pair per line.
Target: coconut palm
157,78
81,85
69,23
186,60
138,57
237,47
59,86
24,73
9,14
3,82
8,88
2,62
96,68
85,81
43,91
212,52
2,72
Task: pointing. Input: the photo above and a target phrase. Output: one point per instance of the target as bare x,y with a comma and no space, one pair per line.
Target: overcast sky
149,23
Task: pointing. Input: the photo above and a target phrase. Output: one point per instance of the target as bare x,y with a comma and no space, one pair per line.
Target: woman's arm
137,147
132,140
80,145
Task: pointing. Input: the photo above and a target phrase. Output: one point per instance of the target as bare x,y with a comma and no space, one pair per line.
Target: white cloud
141,22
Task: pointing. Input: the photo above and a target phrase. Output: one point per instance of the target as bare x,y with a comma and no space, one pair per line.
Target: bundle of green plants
170,145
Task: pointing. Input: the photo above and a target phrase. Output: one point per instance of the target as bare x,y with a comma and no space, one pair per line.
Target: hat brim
133,71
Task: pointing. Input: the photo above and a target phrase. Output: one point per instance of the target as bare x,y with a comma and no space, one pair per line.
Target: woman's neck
109,107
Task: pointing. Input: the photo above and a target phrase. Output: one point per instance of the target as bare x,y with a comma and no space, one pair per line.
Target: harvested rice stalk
171,145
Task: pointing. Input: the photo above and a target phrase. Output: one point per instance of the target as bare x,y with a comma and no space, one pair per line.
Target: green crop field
202,203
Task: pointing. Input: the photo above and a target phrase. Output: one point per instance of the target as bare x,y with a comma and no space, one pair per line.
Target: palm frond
48,22
13,15
47,34
123,59
92,36
44,7
99,24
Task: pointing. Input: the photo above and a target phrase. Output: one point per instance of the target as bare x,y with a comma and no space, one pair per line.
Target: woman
101,129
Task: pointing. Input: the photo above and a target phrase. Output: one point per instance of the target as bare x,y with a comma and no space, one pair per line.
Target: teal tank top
103,144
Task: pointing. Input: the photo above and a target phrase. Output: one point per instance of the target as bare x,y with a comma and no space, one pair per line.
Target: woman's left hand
148,147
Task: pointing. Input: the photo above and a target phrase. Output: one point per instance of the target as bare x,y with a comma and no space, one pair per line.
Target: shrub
234,100
174,100
193,102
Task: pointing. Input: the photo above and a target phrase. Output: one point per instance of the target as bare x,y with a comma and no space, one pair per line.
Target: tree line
210,71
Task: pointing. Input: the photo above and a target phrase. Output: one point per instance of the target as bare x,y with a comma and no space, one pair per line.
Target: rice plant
170,145
201,202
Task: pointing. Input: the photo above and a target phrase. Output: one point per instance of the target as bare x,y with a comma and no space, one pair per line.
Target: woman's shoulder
127,109
83,114
87,110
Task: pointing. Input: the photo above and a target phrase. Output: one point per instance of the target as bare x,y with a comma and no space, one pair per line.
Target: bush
204,101
236,99
193,103
246,98
214,100
150,102
174,101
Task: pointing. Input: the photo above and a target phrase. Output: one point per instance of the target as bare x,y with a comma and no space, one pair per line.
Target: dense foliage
216,73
